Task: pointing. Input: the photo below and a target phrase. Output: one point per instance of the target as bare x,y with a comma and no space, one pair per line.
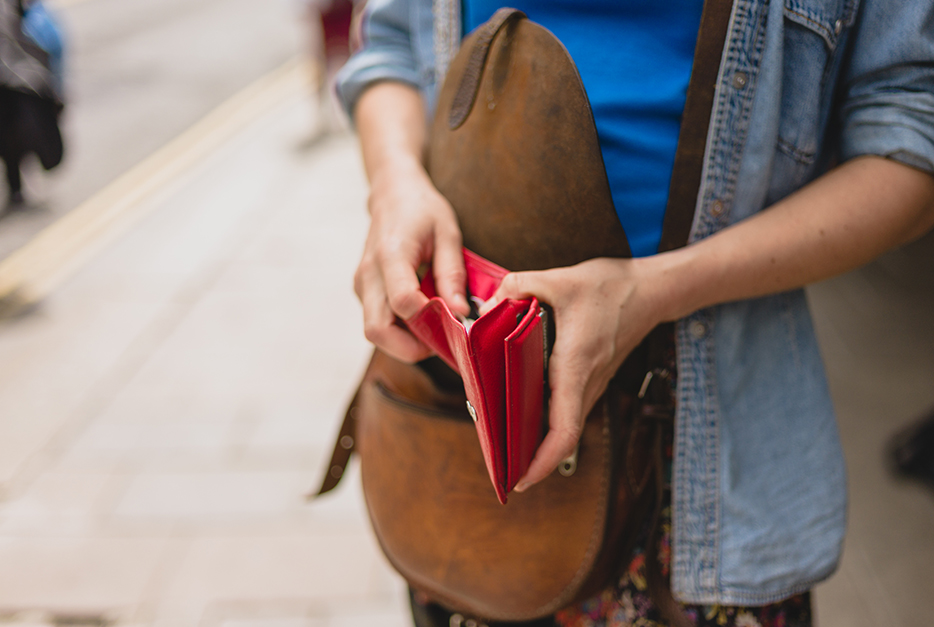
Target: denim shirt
759,486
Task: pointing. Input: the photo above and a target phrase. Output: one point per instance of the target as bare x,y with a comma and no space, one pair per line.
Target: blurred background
179,336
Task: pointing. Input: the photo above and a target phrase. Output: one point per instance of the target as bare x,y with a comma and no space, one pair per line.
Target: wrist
673,283
396,168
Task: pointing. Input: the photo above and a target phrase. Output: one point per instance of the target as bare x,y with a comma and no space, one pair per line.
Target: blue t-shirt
634,58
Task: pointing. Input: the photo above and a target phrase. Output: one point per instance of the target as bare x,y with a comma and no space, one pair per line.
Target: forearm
411,223
841,221
391,124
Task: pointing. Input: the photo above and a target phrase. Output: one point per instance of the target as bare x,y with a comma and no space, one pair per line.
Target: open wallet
501,356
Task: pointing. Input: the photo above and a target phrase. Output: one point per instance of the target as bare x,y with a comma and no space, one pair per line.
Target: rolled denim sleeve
388,51
888,105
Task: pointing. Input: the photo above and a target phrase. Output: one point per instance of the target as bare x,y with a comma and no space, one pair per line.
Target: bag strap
344,445
695,121
345,442
676,229
466,93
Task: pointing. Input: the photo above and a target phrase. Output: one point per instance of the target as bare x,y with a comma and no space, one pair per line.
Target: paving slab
204,360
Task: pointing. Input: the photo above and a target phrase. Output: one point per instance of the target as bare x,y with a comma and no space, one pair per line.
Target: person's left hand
602,308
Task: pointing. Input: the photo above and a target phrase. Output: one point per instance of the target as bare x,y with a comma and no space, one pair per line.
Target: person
820,157
332,37
31,89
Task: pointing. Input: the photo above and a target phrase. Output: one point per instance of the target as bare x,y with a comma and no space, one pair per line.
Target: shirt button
716,208
740,79
698,329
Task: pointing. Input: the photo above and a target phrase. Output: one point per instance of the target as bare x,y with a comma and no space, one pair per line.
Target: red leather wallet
501,358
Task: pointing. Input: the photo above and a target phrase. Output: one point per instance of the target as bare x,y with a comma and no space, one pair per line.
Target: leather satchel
514,149
500,356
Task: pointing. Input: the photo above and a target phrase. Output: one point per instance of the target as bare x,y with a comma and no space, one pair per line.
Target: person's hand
602,308
412,225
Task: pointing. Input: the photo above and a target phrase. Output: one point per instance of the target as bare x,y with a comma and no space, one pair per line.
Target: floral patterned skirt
629,604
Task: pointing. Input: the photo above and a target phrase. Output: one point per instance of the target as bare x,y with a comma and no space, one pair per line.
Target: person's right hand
411,225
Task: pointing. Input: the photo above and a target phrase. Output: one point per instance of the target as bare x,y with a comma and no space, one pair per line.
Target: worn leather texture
440,525
523,171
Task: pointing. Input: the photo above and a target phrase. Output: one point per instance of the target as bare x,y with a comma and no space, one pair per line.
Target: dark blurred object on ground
31,89
912,450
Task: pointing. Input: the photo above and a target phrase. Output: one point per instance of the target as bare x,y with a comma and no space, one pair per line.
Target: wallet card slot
483,276
486,340
525,382
476,352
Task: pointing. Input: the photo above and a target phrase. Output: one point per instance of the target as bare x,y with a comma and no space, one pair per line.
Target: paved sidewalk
165,411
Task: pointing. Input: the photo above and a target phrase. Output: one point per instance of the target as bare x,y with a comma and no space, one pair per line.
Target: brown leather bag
514,149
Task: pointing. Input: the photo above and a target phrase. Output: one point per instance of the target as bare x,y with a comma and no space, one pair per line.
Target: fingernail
488,305
522,486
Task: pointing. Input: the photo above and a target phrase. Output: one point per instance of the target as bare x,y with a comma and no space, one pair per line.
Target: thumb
518,285
449,271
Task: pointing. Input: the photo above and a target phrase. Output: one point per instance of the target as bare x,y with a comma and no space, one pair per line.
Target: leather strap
692,139
676,229
466,93
343,448
344,443
658,584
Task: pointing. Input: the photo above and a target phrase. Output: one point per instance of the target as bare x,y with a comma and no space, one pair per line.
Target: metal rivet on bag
456,620
740,79
568,465
837,27
336,472
472,411
347,442
716,208
698,329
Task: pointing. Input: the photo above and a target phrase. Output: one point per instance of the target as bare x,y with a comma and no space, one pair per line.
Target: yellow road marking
33,271
64,4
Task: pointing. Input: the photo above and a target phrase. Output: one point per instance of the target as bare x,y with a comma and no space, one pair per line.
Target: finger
557,446
401,286
380,325
565,427
519,285
449,271
398,342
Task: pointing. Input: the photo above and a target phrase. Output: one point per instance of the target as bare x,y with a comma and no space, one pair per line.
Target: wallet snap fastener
472,411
